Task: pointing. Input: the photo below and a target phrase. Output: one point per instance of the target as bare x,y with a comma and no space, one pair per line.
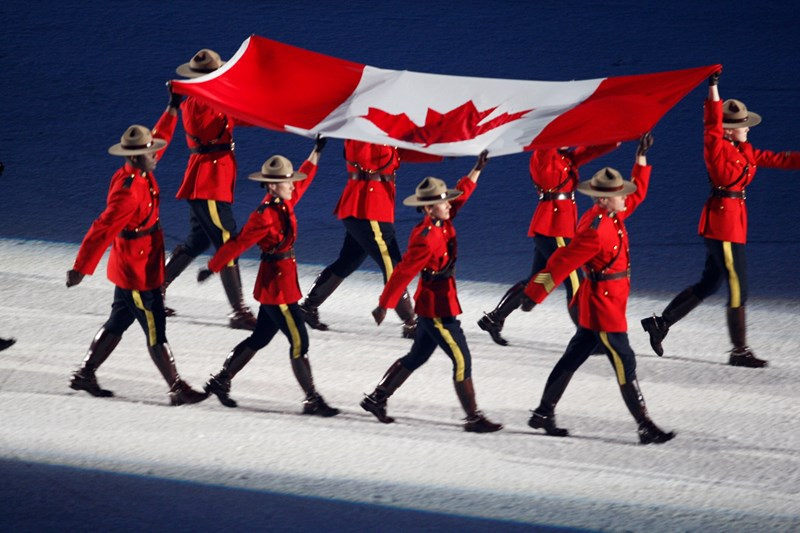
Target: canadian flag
282,87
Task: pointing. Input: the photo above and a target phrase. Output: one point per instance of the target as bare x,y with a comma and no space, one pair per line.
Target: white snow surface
734,464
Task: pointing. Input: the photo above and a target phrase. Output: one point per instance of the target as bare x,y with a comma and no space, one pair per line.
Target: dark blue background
75,76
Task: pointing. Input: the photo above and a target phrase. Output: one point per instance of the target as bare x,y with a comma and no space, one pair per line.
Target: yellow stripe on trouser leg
151,323
451,342
214,214
574,280
387,261
618,366
293,331
733,277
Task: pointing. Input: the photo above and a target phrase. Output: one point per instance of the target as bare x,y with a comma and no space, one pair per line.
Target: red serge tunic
274,227
431,248
131,206
601,245
368,199
556,171
209,176
731,167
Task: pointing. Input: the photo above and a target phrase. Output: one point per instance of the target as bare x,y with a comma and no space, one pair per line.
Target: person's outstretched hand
73,277
645,143
203,275
379,313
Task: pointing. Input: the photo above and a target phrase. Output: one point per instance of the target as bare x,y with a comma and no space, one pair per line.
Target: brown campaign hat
135,141
202,63
277,169
606,182
735,115
431,191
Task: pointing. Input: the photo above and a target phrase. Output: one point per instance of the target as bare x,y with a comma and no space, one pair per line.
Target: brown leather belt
550,196
591,275
367,176
211,148
724,193
288,254
430,275
129,234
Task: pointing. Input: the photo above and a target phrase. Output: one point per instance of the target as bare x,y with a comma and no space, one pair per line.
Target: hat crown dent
431,186
205,60
136,136
278,166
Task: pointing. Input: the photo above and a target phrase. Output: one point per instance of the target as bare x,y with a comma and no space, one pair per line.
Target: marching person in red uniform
731,162
366,208
600,248
208,187
273,227
555,174
130,224
431,253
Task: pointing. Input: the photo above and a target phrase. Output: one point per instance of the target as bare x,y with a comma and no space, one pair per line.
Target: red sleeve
164,129
121,206
256,228
467,186
413,261
640,176
300,187
565,260
785,160
713,150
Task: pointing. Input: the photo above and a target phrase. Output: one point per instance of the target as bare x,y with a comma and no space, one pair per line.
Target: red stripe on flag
274,84
621,109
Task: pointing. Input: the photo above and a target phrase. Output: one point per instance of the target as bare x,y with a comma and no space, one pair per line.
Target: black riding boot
176,264
405,310
493,321
741,355
83,378
323,286
6,343
314,404
475,422
375,402
220,384
543,417
649,433
241,317
180,392
658,326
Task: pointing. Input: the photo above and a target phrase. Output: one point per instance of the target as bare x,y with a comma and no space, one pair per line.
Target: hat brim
263,178
118,149
187,71
753,119
451,194
585,187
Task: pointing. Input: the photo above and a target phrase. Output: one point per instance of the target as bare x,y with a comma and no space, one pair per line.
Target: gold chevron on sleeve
544,278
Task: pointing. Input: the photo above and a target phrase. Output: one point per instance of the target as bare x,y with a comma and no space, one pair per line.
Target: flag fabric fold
286,88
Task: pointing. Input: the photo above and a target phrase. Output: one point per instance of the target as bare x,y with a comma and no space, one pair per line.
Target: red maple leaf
459,124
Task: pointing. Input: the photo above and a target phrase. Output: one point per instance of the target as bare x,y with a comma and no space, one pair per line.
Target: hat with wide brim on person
735,115
137,140
202,63
606,183
431,191
277,169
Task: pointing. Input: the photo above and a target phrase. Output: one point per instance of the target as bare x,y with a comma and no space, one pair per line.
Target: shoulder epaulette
425,230
596,222
128,182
